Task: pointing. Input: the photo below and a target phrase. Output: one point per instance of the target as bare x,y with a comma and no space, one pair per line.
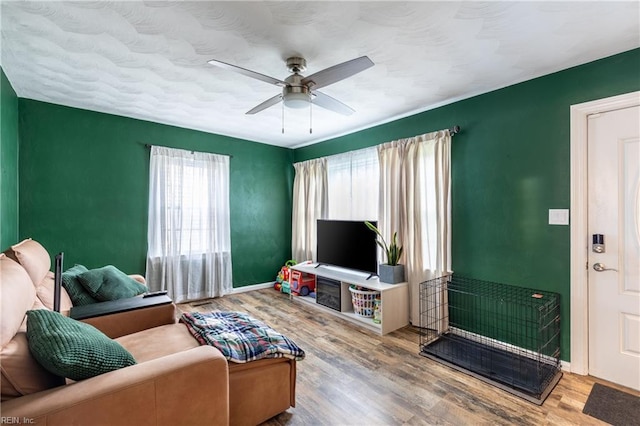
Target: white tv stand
394,298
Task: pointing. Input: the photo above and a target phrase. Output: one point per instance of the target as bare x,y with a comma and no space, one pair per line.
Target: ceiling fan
297,90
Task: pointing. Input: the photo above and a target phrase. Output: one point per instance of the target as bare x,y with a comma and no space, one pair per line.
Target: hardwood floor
352,377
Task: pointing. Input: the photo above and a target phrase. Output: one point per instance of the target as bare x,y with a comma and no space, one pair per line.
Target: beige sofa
175,381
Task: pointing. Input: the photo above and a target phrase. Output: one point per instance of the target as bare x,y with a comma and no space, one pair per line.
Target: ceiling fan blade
266,104
332,104
248,73
337,72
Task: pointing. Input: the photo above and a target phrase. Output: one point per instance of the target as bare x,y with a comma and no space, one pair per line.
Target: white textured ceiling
148,60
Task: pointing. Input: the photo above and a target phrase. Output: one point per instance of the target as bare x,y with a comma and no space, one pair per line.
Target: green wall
84,179
510,164
8,163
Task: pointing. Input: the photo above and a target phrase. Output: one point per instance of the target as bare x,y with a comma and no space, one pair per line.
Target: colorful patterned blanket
240,337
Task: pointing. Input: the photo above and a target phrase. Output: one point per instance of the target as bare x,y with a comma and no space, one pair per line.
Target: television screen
348,244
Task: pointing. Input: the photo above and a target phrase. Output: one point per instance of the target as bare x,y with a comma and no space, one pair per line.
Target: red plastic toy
301,283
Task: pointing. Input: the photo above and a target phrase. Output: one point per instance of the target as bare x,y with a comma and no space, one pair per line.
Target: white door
614,275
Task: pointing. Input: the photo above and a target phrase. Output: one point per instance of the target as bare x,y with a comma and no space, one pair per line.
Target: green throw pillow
73,349
78,294
109,283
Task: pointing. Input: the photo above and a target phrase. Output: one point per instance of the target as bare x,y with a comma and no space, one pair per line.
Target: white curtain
391,208
415,194
189,238
309,205
353,185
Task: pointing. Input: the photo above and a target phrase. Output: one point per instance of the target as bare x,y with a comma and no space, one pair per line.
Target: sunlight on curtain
189,242
391,210
353,182
309,205
416,189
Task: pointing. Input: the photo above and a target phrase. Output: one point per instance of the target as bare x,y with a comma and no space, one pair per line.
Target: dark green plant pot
391,274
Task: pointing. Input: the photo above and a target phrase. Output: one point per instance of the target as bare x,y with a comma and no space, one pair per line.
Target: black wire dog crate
505,335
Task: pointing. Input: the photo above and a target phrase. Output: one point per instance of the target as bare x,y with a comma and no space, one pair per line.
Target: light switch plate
558,216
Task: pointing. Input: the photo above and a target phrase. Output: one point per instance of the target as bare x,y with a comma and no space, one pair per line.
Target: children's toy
294,282
284,274
302,284
377,312
285,271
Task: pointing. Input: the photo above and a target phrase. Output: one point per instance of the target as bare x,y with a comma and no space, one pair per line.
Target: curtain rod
452,131
164,146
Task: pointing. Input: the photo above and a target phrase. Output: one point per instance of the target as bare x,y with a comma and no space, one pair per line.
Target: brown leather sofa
175,381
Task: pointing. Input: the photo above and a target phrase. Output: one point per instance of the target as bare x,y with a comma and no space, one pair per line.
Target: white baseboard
252,287
565,366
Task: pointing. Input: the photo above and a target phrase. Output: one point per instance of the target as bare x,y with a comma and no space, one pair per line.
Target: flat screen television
348,244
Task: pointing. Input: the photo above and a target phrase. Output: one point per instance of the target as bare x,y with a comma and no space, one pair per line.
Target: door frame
579,304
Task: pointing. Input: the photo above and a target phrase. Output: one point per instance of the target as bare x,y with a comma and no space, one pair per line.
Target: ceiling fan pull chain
282,117
310,114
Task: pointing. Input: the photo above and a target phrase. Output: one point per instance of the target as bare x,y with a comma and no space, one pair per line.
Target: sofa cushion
69,348
78,294
109,283
33,257
44,291
21,373
18,296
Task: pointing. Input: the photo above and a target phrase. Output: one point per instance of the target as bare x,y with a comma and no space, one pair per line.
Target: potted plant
390,272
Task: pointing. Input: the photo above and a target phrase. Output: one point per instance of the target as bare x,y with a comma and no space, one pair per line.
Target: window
189,236
189,204
353,182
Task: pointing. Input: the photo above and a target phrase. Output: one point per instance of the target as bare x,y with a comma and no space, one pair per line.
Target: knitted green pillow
109,283
73,349
78,294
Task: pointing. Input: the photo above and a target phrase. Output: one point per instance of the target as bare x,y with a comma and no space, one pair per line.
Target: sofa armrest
119,305
139,278
189,387
122,323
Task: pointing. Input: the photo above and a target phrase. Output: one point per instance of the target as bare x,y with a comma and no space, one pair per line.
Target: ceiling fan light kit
296,100
295,94
299,91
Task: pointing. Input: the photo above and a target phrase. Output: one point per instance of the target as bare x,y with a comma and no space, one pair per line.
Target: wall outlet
558,216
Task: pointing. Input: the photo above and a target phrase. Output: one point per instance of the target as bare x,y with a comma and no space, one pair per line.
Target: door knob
599,267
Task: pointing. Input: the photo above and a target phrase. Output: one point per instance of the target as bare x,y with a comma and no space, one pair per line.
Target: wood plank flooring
351,376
